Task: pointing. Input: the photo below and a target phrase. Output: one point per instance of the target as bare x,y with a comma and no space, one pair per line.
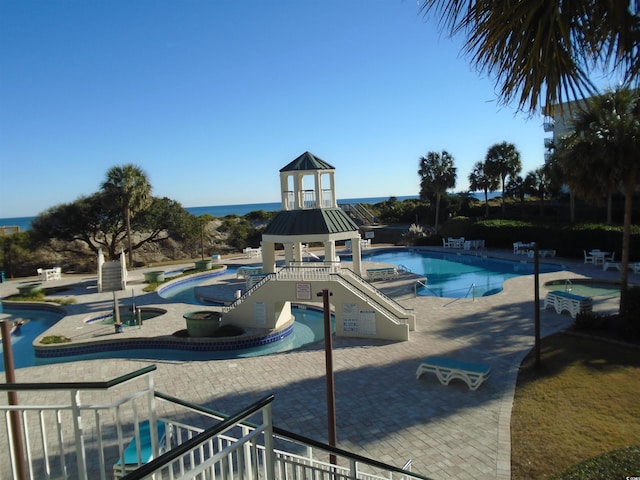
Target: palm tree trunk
437,211
486,203
629,188
572,206
127,216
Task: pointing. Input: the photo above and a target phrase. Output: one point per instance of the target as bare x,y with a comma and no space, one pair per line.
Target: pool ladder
568,286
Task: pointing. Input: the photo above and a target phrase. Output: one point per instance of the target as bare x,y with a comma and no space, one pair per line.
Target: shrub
616,464
590,321
50,339
630,324
228,331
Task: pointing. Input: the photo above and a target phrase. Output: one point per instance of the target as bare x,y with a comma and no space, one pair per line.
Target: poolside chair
446,243
134,458
610,258
587,257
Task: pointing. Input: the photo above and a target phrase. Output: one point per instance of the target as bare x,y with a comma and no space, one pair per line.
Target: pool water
308,328
183,291
37,322
457,275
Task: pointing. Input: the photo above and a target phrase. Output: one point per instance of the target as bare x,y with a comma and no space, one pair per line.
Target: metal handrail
16,387
189,445
287,435
471,287
415,288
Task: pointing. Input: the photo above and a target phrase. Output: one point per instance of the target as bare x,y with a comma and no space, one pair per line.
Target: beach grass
582,402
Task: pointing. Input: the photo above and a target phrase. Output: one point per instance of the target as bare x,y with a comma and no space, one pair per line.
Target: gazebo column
268,257
356,252
297,251
289,254
330,253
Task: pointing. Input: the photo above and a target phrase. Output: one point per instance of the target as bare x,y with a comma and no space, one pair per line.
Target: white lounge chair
446,243
447,369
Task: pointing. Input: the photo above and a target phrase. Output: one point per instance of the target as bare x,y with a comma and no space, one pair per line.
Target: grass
583,402
40,297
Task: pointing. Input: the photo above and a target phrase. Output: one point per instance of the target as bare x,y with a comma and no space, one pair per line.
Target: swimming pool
455,275
308,328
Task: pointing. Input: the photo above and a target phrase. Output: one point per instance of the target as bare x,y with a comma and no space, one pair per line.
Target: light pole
328,350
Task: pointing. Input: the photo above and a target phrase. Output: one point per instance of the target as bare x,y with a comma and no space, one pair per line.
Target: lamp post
536,300
328,350
12,396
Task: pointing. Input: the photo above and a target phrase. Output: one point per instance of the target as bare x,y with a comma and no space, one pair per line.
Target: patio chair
587,257
446,243
134,458
611,258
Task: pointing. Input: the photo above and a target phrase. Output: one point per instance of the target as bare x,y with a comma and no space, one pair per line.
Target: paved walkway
383,412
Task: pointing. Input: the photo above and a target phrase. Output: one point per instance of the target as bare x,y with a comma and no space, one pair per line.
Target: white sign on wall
303,291
259,313
367,322
350,317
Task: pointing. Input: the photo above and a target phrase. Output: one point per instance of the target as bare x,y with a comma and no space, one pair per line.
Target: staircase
87,431
358,213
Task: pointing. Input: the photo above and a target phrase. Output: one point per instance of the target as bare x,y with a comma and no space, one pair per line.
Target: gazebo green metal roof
307,161
317,221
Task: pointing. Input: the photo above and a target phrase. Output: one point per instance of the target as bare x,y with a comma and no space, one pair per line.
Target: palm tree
128,188
538,183
503,160
607,138
479,179
541,52
586,174
518,187
437,173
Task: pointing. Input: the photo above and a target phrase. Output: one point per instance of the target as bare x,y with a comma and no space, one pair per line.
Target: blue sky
212,98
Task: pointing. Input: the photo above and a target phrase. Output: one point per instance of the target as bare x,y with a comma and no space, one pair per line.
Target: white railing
374,291
74,437
344,276
88,440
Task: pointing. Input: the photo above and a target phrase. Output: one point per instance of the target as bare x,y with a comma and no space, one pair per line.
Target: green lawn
584,401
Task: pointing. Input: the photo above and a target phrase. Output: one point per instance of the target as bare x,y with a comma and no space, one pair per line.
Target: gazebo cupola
308,182
310,214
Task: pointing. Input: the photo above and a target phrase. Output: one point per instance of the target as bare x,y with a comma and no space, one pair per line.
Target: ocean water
218,210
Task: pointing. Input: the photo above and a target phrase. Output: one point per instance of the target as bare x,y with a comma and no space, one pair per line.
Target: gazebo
310,214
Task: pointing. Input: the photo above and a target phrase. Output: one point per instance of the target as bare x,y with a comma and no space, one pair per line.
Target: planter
202,323
156,276
29,289
202,265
